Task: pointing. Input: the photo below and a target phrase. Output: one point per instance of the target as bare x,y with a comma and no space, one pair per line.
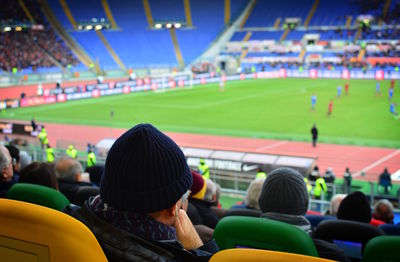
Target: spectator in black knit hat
355,207
138,215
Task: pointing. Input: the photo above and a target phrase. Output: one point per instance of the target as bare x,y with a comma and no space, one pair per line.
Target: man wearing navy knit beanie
140,212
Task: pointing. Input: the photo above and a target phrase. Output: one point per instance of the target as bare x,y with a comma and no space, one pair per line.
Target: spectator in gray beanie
284,197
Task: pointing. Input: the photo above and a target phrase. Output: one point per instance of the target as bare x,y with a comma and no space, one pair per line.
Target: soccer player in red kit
346,88
392,83
330,107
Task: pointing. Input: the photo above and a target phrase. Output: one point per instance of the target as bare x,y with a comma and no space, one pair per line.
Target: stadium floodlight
158,25
89,27
98,27
168,25
177,25
80,27
18,28
7,29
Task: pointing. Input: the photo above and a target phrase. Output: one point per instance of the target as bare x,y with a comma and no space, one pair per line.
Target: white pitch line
272,146
378,162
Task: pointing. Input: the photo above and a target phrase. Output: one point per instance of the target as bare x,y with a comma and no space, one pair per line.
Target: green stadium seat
382,248
37,194
261,233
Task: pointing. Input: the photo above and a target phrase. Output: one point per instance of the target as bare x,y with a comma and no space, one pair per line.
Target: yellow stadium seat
257,255
30,232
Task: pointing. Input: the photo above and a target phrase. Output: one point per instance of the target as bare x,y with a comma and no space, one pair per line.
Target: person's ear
173,211
78,177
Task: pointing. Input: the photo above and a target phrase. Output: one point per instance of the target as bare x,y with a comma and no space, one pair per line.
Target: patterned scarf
138,224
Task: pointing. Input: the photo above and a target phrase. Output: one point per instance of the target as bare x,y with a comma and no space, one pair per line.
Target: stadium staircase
302,54
311,13
361,55
245,39
358,34
147,11
68,13
177,50
227,12
215,48
284,35
349,19
188,13
107,11
385,11
101,36
26,11
49,56
69,41
277,23
110,17
248,13
111,50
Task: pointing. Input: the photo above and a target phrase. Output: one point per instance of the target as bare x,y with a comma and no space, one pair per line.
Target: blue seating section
86,10
208,22
299,34
135,43
269,54
93,46
392,34
238,36
266,12
266,35
88,40
167,10
333,13
296,35
59,13
237,7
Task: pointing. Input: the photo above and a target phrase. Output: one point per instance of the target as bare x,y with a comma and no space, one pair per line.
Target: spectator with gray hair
335,203
211,191
69,175
383,211
25,159
7,178
252,196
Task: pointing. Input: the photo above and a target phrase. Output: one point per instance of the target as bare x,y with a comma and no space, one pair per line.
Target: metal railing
232,183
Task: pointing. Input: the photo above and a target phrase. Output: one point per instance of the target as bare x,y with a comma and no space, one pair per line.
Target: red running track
372,160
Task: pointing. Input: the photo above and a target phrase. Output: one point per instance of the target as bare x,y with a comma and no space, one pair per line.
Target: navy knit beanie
145,171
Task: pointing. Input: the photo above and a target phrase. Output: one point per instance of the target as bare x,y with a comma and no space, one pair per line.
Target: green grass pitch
262,108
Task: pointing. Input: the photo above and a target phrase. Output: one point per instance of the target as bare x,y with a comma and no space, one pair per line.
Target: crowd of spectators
32,47
146,197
